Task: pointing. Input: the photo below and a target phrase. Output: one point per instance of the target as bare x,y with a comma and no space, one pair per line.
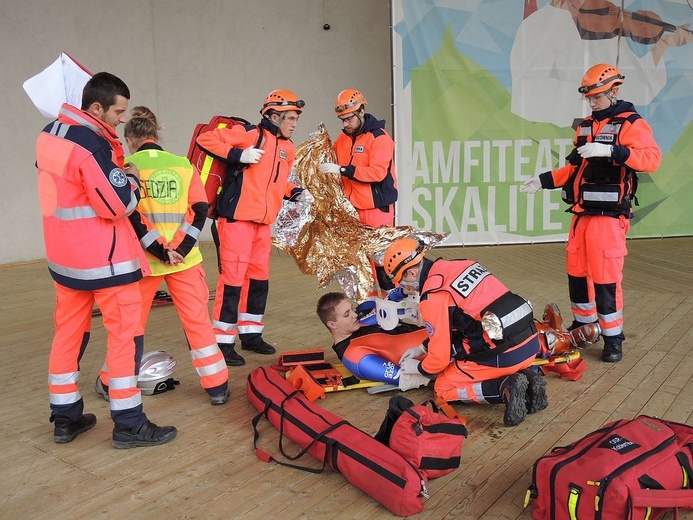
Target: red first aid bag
212,170
428,439
635,469
365,462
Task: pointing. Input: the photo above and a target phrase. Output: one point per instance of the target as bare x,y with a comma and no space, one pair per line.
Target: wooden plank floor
210,470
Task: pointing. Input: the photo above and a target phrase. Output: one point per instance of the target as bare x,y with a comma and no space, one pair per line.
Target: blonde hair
142,124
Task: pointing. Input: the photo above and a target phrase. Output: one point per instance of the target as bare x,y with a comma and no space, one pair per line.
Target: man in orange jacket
259,158
482,336
599,184
366,165
85,192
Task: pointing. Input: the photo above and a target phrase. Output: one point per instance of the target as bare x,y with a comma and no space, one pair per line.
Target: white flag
61,82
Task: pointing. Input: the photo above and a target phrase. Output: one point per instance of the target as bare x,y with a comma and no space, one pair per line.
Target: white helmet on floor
155,374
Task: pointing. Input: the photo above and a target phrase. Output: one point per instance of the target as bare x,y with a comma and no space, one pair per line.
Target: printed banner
486,98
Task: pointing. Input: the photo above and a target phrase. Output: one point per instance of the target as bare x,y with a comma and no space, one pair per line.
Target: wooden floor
210,470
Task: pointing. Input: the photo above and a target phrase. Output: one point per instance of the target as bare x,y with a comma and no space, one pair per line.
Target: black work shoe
513,392
147,434
231,357
612,353
536,399
260,346
66,430
99,389
220,399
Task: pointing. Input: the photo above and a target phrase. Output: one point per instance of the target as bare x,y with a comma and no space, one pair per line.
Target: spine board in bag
635,469
365,462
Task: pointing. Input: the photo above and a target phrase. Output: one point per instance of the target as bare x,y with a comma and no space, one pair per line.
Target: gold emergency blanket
324,235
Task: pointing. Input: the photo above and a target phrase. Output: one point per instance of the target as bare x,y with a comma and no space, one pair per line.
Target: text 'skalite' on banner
485,95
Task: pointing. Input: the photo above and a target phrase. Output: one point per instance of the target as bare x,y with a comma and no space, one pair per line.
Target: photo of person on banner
553,43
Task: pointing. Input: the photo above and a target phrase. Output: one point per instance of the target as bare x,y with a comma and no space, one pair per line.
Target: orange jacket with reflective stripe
259,190
85,197
455,296
368,173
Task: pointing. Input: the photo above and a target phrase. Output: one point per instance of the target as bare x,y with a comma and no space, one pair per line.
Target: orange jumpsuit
171,214
93,256
600,193
455,296
253,202
368,177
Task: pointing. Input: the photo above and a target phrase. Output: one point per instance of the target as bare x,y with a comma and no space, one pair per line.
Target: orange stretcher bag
366,463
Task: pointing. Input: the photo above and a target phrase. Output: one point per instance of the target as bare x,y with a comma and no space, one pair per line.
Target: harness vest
599,186
164,186
478,295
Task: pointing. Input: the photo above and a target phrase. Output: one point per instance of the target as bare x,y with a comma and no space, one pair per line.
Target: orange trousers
190,295
595,255
121,309
376,218
243,286
471,382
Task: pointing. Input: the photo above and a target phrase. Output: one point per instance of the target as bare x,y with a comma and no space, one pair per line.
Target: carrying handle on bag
661,498
440,404
266,457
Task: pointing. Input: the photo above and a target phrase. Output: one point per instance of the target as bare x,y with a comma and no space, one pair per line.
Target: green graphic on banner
470,154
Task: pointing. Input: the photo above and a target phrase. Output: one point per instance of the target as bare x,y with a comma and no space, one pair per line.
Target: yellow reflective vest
169,186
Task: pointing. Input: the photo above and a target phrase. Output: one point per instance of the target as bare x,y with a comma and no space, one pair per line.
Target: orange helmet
282,101
600,78
402,254
348,101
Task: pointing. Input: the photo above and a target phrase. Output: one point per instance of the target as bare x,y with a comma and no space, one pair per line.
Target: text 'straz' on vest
469,279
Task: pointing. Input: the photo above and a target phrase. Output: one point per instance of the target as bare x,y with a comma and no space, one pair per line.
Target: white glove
410,366
533,185
594,150
251,155
329,168
305,197
412,353
410,381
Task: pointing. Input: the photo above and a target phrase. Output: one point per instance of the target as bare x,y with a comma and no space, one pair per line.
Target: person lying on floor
369,351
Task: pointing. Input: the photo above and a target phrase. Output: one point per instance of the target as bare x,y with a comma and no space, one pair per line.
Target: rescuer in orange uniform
599,183
366,164
474,320
85,192
260,158
168,221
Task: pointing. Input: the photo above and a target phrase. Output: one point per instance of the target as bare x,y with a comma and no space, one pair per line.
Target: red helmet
600,78
402,254
282,101
348,101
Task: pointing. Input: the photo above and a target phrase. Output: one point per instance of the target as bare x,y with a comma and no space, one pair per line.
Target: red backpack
212,170
428,439
636,469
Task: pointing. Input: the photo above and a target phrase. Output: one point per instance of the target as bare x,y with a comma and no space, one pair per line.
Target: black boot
231,357
612,352
536,392
514,392
258,345
147,434
66,430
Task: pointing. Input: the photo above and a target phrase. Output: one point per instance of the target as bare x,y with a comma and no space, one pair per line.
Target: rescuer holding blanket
482,336
599,183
